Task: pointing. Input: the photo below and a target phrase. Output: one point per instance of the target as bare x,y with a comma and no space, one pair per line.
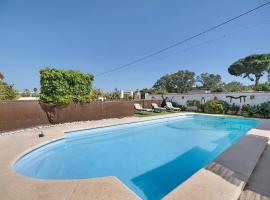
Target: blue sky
97,35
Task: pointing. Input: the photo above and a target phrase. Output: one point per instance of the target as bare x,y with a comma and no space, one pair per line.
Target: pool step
258,185
226,177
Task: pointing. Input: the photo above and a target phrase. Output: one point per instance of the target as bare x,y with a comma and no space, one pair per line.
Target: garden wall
24,114
239,98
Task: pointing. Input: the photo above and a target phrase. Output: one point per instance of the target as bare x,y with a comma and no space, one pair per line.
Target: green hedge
216,107
7,92
65,86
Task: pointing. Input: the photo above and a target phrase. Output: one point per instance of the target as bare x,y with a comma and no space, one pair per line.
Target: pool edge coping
138,120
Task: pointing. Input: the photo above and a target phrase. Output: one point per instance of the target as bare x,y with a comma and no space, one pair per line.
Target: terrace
240,172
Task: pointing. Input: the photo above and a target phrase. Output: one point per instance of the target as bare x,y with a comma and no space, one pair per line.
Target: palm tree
1,76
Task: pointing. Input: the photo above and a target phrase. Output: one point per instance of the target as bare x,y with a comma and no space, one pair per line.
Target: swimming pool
151,157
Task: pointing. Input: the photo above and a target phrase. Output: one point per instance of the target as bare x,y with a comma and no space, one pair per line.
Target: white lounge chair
138,107
169,106
156,107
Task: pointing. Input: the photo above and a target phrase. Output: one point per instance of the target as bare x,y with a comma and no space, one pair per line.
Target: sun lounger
169,106
138,107
156,107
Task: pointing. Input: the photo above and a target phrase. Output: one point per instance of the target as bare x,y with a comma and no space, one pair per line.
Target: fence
24,114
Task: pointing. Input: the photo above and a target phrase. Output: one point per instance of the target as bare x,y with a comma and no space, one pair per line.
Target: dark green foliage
260,110
7,92
235,86
252,67
65,86
181,81
154,91
209,81
255,109
262,87
245,108
265,109
216,107
234,107
193,103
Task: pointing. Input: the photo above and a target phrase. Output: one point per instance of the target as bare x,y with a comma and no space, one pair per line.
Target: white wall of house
252,98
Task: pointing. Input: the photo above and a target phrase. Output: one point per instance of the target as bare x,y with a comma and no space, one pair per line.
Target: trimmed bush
216,107
65,86
7,92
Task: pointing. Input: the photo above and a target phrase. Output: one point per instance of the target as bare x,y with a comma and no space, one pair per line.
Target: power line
181,42
208,41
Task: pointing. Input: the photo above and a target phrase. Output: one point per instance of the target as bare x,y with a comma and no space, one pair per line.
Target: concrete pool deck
14,186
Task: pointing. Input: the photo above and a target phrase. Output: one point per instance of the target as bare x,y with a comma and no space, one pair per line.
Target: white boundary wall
252,98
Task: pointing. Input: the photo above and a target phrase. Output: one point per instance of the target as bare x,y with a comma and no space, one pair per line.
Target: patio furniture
156,107
138,107
169,106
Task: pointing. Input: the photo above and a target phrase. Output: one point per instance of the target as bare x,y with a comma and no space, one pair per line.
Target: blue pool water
151,158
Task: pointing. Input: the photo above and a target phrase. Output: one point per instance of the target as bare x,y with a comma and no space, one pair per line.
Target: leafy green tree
167,82
262,87
209,81
96,93
114,95
234,86
7,92
25,93
154,91
65,86
185,80
252,67
181,81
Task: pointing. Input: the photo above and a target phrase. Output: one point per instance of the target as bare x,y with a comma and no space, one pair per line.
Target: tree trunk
257,78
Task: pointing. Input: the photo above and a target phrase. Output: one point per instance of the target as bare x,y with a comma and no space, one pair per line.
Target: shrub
35,94
245,108
7,92
96,93
262,87
254,109
265,109
25,93
234,107
216,107
193,103
65,86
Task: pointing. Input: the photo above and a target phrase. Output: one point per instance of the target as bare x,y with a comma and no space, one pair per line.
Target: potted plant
245,110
